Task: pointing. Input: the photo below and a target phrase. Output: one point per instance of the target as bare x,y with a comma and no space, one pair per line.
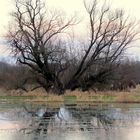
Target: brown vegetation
20,79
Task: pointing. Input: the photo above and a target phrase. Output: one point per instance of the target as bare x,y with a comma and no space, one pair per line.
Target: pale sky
132,7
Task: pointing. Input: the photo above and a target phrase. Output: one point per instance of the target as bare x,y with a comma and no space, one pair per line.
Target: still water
69,122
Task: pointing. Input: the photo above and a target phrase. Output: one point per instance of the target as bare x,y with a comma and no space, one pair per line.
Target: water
69,122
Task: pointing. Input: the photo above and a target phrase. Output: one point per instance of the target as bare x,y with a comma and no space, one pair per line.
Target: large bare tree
36,42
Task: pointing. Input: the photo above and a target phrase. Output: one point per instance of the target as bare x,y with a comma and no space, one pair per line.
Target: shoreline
74,99
131,96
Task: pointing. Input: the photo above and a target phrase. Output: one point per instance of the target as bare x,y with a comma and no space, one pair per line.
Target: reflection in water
86,122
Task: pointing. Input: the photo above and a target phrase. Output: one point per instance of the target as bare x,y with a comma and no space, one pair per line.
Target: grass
133,96
70,98
102,98
17,97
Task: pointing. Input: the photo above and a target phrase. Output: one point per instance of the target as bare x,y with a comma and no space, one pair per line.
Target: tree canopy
36,41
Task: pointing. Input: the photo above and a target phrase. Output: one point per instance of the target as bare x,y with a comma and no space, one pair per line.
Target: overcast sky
132,7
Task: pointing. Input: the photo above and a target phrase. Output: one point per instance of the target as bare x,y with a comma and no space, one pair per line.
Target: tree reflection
40,119
93,117
81,122
48,120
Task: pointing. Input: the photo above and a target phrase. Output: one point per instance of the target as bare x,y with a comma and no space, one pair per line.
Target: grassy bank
132,96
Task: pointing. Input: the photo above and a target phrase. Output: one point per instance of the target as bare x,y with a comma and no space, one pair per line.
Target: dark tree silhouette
110,34
35,41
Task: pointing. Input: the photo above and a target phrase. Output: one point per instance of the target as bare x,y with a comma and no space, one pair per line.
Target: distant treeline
125,76
14,76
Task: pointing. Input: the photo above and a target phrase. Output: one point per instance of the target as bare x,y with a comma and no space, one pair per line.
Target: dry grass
40,95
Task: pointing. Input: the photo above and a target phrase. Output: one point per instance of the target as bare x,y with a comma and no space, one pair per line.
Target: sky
70,7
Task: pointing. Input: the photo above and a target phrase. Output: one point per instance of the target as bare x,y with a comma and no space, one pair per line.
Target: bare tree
110,34
36,43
